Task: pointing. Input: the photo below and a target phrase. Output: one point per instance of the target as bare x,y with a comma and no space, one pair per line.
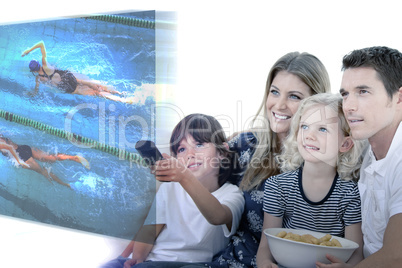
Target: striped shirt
284,197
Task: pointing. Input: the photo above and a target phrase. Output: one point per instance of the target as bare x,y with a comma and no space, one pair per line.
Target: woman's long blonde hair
348,163
263,165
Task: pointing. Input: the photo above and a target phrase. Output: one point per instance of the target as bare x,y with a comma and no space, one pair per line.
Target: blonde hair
348,163
262,164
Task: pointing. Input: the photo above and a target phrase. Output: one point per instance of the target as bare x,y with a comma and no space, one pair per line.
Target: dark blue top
243,246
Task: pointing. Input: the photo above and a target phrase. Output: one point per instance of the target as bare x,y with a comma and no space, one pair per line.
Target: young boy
372,102
197,211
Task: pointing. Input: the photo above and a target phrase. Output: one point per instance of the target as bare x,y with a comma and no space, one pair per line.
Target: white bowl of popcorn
293,248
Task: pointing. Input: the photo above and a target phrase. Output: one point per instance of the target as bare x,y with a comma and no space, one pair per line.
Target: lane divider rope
72,137
125,20
141,23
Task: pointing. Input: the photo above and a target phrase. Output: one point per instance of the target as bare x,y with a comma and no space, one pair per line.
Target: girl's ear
347,144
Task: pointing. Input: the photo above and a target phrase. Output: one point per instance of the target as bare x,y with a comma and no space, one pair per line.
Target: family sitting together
319,161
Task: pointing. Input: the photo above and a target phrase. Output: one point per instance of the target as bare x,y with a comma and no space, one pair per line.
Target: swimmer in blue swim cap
65,80
34,66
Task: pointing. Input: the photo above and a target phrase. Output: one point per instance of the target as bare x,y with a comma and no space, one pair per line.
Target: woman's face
285,94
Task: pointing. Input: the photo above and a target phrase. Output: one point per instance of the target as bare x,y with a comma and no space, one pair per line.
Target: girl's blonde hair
348,163
263,165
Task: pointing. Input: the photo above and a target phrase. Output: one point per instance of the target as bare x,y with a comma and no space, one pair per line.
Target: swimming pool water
113,197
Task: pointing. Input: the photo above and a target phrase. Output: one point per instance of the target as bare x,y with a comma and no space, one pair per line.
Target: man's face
366,105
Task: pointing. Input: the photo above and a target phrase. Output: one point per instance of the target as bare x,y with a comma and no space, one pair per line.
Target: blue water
113,197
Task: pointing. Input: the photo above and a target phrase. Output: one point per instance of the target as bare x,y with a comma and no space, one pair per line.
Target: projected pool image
90,177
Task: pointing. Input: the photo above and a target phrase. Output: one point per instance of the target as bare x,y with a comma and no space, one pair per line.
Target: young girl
317,191
196,211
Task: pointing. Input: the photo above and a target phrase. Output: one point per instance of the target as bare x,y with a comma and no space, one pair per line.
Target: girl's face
285,94
319,136
202,159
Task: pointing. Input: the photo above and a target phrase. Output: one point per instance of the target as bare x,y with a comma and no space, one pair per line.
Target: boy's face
202,159
367,107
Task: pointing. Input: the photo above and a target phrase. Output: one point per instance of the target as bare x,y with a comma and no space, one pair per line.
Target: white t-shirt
380,187
187,235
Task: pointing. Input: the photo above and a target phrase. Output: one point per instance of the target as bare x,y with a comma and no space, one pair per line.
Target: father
372,102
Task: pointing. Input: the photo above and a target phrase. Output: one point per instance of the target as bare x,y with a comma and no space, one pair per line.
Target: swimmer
66,81
27,157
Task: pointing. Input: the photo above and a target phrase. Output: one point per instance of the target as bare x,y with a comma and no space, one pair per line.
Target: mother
292,78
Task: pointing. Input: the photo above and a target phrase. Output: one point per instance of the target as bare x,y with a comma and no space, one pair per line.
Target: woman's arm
36,90
4,146
264,256
42,47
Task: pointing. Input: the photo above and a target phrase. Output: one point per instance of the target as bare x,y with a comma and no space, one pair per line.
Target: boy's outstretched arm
214,212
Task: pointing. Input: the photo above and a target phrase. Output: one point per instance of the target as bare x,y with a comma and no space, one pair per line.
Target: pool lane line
124,20
141,23
75,138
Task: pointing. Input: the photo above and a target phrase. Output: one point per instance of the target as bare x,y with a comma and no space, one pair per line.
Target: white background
225,52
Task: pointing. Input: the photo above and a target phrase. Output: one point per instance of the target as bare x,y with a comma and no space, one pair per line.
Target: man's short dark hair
386,61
